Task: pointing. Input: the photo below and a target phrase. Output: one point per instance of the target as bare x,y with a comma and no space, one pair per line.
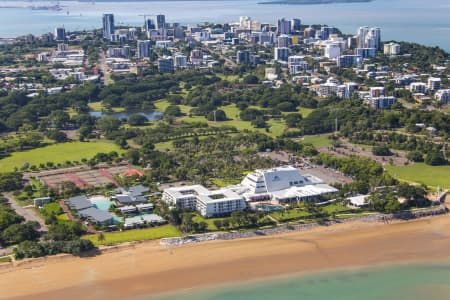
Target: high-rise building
376,92
443,96
391,49
281,54
149,24
60,33
382,102
165,64
296,25
160,22
108,26
373,40
348,61
332,51
418,87
309,32
284,26
243,57
143,49
369,37
297,64
434,84
284,41
180,61
326,32
197,56
366,52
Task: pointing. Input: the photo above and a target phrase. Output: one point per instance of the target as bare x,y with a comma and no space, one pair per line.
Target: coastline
151,269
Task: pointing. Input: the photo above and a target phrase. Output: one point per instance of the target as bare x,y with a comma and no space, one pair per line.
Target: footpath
385,218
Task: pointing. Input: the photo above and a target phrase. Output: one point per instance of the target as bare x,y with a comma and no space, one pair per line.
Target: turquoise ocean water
408,282
426,22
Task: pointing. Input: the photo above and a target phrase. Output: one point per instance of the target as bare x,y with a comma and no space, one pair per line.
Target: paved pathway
28,214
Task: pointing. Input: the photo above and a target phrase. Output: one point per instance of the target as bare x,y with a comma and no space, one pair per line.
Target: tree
10,181
415,156
18,233
217,115
251,79
381,151
137,120
435,158
218,224
187,225
173,111
293,120
101,237
108,124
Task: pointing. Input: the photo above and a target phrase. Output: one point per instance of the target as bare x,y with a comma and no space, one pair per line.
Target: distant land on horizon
311,2
289,2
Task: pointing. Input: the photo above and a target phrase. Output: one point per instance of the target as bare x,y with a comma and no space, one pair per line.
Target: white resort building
281,185
207,203
278,185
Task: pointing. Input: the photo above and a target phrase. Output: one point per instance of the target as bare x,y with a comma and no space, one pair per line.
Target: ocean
408,282
425,22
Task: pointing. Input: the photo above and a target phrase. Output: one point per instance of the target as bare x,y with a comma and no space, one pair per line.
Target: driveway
28,214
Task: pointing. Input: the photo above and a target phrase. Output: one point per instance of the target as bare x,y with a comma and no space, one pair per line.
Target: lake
425,22
154,115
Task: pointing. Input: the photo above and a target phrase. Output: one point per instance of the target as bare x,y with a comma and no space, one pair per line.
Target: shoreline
152,269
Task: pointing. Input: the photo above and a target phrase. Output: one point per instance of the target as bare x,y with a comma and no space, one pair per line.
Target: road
28,214
104,67
229,62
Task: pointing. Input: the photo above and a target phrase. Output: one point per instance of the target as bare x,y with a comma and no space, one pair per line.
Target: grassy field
422,173
319,140
5,259
163,146
98,106
209,221
112,238
58,153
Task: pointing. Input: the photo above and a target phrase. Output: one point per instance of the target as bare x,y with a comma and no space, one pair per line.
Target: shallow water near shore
429,281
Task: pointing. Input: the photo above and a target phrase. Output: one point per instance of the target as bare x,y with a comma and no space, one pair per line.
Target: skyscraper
143,49
369,37
149,24
108,26
296,24
284,26
60,33
160,21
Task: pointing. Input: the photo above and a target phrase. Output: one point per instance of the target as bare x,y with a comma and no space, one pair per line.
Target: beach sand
150,268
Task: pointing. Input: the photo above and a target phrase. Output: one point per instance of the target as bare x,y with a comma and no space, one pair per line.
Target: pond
153,115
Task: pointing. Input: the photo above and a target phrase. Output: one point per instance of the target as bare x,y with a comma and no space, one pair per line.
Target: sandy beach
150,268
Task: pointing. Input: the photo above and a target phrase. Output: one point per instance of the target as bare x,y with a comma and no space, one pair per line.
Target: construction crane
146,15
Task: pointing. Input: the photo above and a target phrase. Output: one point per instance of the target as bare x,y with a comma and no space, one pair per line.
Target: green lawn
58,153
290,215
98,106
276,126
223,182
422,173
318,141
209,221
5,259
305,111
112,238
163,146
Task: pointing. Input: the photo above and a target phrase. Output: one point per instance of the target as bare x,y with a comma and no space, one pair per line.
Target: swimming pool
268,207
101,202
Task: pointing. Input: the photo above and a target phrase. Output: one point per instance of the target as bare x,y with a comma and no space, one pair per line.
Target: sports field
58,153
422,173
